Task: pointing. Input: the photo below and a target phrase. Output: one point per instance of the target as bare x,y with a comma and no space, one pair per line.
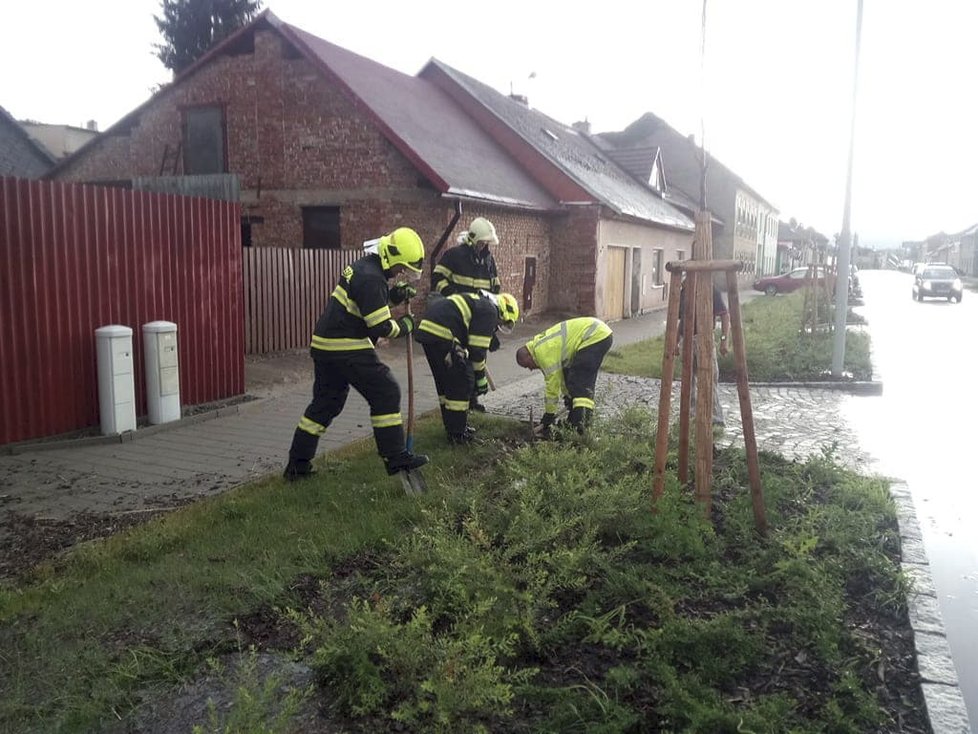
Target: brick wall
573,265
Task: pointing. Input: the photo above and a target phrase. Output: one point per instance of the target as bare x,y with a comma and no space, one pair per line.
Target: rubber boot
298,469
461,439
475,405
404,461
470,431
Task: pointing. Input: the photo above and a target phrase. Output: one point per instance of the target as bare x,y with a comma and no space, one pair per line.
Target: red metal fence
285,290
73,258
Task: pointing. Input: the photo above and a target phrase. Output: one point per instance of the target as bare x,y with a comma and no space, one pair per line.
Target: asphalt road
923,430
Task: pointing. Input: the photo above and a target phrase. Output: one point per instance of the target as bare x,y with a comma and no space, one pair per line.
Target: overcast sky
778,82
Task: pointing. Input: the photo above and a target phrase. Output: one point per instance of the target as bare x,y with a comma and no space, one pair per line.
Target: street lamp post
842,271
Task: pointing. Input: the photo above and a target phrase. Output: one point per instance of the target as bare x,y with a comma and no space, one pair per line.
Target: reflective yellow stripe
441,400
583,403
381,314
463,308
479,365
438,330
479,341
480,283
340,294
395,330
310,426
339,345
444,271
385,421
459,406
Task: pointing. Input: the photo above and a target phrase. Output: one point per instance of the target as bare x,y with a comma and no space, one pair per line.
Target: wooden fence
285,290
74,258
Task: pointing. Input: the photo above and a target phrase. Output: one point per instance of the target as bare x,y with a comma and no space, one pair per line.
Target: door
529,280
614,284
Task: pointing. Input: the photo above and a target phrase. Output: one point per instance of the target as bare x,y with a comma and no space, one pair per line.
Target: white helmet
482,230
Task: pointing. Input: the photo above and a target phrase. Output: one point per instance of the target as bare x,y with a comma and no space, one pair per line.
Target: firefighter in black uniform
455,333
356,316
470,268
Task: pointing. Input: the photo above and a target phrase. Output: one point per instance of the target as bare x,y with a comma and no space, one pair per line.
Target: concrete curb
938,678
864,387
143,432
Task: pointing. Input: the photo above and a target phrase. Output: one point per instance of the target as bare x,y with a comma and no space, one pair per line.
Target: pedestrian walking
569,354
469,267
357,315
719,312
456,332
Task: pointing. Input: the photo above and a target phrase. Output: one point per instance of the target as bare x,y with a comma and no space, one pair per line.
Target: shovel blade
413,481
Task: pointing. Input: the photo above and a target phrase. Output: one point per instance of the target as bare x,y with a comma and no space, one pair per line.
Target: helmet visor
416,266
506,327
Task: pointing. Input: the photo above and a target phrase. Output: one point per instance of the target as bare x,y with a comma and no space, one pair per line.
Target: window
657,273
246,232
203,140
321,227
680,255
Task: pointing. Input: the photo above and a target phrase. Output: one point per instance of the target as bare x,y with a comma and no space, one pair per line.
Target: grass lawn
776,351
531,590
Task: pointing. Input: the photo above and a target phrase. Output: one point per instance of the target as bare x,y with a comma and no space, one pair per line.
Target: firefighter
469,267
569,354
358,315
456,332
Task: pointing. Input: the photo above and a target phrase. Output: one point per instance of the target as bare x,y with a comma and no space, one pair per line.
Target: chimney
521,98
583,126
91,125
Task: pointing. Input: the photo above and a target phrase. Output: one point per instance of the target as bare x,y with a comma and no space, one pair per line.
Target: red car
786,282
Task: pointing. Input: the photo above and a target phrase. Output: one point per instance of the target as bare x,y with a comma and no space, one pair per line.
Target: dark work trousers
454,379
580,377
335,373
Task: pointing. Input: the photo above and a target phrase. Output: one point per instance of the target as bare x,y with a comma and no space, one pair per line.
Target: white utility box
162,371
116,386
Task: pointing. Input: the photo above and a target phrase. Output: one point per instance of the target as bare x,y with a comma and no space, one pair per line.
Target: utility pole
842,260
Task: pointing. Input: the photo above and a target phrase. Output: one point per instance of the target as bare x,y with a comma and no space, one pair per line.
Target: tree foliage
191,27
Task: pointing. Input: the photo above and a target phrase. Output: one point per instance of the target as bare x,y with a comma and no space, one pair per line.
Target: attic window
549,134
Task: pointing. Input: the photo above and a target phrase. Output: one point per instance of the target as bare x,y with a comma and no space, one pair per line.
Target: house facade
331,149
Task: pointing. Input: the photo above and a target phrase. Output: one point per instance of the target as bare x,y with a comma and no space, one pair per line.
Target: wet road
923,430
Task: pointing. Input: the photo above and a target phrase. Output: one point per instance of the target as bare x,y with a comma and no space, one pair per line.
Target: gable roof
420,120
426,126
683,156
20,154
569,150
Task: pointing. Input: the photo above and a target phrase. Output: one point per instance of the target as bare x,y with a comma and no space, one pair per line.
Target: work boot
461,439
404,461
470,431
298,469
475,405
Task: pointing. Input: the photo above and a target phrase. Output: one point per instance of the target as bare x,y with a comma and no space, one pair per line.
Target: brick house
20,155
332,149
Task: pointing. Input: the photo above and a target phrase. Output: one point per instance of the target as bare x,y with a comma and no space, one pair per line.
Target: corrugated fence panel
284,292
74,258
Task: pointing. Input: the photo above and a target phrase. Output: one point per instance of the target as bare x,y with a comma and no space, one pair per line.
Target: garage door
614,284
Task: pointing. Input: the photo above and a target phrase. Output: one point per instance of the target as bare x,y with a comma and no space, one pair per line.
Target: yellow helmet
482,230
509,311
404,247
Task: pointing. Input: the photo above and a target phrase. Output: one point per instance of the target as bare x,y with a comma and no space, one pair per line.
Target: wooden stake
686,388
746,411
704,367
665,388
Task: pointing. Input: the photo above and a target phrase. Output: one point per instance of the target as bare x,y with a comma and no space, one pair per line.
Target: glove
405,324
402,292
548,419
482,386
494,343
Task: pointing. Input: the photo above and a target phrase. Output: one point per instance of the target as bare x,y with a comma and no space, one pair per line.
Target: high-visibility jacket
467,319
462,270
358,312
554,350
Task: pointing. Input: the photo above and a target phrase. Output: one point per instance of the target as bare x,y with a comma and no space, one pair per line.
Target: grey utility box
162,371
116,386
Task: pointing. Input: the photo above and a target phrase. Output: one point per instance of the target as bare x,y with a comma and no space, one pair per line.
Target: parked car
787,282
937,281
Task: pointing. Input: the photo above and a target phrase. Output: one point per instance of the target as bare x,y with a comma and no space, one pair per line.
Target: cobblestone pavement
796,422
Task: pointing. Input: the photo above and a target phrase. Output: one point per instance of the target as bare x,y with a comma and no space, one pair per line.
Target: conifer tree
191,27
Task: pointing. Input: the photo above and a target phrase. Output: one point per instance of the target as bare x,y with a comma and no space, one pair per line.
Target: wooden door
614,284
